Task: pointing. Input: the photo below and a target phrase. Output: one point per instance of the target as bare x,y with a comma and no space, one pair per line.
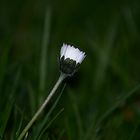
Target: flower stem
61,78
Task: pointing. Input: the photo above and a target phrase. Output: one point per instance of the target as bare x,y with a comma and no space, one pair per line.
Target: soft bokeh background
102,100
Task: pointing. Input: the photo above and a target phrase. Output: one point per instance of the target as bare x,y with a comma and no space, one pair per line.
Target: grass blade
94,127
45,44
3,64
7,111
53,119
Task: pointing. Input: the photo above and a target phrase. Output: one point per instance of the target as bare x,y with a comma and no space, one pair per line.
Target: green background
102,100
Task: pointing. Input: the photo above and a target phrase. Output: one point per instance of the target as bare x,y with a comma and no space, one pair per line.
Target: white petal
81,57
63,50
71,53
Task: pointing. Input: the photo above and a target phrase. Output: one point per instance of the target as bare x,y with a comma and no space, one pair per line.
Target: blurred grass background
102,100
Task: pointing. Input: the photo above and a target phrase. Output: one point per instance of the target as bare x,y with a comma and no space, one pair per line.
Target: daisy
70,59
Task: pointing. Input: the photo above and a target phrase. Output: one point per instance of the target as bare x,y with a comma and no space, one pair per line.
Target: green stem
61,78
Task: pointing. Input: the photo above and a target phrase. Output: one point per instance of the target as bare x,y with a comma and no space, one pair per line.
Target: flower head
70,59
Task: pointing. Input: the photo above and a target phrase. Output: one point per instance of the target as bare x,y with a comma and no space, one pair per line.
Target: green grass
101,101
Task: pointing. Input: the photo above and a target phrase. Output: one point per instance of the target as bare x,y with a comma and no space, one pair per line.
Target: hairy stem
61,78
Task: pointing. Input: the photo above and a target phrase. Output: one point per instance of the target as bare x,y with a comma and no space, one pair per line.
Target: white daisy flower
70,59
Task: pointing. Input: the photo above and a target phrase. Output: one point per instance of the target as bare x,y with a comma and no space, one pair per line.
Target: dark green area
68,66
102,100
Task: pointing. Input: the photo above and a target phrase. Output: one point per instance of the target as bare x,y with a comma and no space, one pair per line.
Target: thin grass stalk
44,49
